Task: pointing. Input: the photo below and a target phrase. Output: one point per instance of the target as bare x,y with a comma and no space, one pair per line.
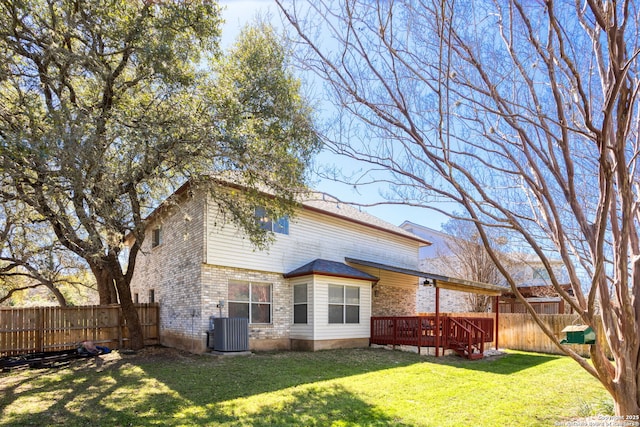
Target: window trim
250,302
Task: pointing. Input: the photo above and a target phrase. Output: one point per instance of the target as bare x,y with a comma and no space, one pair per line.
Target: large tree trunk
106,286
625,400
625,394
623,384
114,288
129,312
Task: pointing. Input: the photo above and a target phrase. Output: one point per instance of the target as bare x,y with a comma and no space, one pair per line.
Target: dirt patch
117,358
156,353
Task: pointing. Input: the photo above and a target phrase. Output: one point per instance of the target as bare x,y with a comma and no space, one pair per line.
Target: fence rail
38,329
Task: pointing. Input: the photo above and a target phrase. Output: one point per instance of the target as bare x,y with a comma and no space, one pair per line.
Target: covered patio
466,335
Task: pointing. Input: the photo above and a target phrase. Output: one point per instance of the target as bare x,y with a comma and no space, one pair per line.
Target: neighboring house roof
424,231
330,268
529,291
522,264
438,280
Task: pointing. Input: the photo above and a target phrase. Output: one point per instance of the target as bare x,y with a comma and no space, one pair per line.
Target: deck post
438,330
496,311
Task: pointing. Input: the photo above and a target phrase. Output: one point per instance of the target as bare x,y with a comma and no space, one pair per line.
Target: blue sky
239,12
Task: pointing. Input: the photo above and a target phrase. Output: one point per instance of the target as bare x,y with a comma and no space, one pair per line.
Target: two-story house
330,268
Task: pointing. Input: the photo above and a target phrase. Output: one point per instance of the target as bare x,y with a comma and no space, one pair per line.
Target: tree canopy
33,261
523,114
106,107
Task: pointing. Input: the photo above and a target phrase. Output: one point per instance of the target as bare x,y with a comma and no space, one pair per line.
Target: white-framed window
279,225
250,300
300,304
344,304
156,237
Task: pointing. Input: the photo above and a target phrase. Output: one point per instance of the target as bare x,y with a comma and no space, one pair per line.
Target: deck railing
465,338
422,331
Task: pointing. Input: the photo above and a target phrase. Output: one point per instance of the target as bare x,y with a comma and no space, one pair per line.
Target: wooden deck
465,335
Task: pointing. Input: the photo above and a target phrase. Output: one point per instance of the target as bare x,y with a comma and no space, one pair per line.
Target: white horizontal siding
298,331
389,278
323,330
311,235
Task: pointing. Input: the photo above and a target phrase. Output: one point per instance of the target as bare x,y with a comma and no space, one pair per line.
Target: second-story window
278,225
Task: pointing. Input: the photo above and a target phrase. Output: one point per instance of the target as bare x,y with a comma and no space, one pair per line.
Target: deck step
461,349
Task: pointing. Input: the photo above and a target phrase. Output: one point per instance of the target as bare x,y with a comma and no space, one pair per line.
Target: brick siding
450,301
393,301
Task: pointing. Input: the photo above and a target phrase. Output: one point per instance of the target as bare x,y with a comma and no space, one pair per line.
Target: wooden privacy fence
521,332
518,331
38,329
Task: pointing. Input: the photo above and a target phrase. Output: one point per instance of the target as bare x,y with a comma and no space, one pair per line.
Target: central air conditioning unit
230,334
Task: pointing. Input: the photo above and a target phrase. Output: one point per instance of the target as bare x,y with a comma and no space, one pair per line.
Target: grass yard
363,387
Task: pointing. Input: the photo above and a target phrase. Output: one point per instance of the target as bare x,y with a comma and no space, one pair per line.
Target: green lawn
364,387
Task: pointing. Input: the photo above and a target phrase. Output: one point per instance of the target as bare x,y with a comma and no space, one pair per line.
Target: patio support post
496,310
438,329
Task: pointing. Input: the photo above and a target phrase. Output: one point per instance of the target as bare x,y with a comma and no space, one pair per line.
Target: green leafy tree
524,114
107,106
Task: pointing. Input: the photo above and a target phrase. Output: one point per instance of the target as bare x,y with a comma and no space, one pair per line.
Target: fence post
39,329
497,320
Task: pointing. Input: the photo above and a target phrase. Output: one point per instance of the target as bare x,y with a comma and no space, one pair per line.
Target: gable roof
318,202
329,268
